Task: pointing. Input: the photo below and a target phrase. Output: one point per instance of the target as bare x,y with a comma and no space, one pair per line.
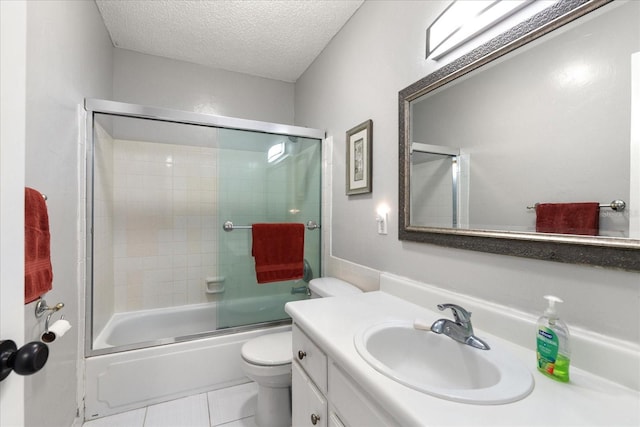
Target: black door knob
29,359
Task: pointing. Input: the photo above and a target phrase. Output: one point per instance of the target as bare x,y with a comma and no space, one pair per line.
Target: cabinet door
309,405
354,406
334,421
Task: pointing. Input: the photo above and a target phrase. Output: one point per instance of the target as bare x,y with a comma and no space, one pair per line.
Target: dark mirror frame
618,253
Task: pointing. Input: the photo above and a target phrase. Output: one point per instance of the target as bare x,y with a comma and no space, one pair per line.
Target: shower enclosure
440,183
171,197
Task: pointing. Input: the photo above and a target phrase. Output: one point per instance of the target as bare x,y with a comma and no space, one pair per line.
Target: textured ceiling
267,38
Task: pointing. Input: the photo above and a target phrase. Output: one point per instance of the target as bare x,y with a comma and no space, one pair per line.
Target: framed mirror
537,118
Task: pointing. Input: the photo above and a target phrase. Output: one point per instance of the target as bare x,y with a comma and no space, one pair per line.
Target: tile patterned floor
229,407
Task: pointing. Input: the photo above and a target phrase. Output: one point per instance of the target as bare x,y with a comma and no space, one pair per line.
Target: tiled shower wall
164,224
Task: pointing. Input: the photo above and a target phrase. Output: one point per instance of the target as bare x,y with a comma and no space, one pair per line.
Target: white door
13,27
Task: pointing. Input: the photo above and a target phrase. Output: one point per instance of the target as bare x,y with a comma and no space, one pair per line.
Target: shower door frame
101,106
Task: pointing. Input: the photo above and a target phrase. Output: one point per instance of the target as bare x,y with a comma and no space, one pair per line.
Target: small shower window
275,152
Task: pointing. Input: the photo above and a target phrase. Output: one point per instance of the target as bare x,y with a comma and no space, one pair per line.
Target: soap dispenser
553,348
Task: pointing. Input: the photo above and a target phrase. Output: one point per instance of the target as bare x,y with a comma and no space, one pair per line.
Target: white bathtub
125,380
157,324
178,323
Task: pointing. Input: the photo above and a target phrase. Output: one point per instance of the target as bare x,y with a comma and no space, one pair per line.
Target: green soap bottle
553,349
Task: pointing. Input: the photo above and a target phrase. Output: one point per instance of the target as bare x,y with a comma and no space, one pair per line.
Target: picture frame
359,158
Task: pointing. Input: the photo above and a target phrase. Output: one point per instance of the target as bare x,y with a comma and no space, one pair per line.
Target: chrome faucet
460,329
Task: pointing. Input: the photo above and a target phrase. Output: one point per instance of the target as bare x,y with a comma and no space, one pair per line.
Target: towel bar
228,226
616,205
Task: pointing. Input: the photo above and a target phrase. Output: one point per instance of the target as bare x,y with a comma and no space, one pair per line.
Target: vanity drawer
310,357
309,405
353,406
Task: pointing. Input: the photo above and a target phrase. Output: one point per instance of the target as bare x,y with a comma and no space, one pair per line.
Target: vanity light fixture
465,19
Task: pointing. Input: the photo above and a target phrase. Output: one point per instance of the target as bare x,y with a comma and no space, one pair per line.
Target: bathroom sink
439,366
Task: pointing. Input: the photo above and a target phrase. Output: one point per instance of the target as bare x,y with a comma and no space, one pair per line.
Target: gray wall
69,57
161,82
357,77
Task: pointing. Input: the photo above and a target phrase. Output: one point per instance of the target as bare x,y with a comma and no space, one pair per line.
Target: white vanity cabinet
335,383
309,406
324,395
308,382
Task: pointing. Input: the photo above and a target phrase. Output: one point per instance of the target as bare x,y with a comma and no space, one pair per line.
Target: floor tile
133,418
233,403
190,411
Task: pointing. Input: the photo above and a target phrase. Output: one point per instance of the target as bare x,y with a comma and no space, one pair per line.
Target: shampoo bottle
553,349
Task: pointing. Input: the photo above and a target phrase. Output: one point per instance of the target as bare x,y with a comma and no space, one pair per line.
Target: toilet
267,361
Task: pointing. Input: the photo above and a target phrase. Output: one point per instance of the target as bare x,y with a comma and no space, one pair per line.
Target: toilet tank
331,287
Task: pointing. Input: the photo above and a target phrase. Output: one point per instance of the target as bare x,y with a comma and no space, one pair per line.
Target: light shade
463,20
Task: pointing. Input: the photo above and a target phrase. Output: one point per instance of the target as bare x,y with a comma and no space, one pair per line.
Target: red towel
568,218
38,273
279,251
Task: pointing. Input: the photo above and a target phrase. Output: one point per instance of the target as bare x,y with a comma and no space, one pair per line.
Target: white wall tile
161,209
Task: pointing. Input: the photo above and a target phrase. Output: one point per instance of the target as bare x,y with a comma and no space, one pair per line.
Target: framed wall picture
359,148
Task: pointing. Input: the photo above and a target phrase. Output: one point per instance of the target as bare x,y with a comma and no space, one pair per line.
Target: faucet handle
459,314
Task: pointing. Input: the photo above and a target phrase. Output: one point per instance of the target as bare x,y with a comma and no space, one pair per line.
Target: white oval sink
438,365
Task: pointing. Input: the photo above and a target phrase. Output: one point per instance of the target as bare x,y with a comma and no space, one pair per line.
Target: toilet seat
268,350
267,360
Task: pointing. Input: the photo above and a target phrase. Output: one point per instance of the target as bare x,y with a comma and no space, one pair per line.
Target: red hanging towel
278,249
568,218
38,273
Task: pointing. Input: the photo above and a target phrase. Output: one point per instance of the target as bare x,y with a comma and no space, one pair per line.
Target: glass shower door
160,185
262,178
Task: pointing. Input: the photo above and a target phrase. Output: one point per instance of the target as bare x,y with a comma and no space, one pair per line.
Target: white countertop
587,400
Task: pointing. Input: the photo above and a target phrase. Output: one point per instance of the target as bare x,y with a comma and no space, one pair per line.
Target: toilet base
274,407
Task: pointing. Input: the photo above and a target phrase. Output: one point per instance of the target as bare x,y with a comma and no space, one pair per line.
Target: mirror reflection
548,124
440,177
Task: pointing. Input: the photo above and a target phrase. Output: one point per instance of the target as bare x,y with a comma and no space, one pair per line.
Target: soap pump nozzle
550,312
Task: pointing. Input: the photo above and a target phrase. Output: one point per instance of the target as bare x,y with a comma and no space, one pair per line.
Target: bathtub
120,381
156,325
166,325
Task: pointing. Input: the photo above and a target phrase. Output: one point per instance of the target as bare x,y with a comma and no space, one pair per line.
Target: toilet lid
271,349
